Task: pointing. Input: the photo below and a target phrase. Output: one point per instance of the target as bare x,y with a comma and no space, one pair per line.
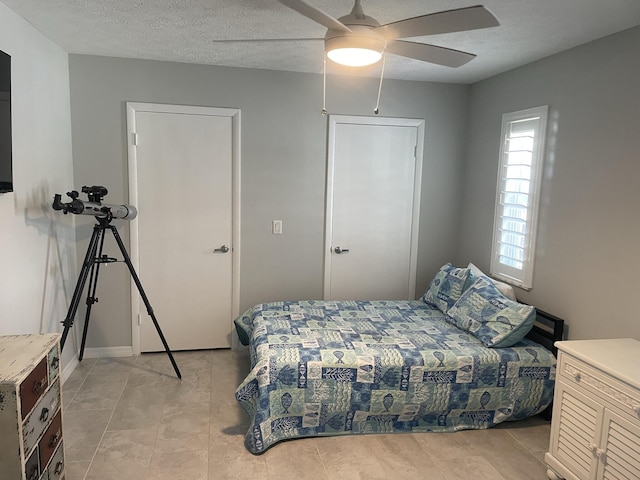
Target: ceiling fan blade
316,15
429,53
461,19
260,40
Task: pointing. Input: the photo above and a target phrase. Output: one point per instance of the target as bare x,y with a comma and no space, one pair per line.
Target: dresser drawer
56,467
40,417
50,440
594,382
32,388
53,360
32,467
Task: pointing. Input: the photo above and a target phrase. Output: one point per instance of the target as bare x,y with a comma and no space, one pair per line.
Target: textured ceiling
199,31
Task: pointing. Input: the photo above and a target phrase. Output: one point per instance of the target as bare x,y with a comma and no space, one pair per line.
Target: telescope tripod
90,269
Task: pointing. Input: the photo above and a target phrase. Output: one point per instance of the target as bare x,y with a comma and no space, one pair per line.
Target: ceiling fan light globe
354,57
354,50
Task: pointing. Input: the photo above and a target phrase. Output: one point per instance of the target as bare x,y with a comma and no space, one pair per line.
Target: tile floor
131,418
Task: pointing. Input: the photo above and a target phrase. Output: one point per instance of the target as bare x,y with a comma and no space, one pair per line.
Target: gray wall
588,250
283,165
37,246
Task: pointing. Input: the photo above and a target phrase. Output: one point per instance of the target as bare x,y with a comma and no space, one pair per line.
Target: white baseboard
69,368
108,352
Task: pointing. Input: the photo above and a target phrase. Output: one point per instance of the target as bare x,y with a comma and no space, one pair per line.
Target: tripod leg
91,291
136,280
82,278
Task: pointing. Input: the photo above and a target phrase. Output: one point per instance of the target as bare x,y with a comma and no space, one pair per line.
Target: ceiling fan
359,40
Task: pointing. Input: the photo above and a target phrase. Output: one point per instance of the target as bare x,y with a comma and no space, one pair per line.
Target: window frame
521,278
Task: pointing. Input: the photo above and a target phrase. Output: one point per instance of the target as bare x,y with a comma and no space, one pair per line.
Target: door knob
222,249
340,250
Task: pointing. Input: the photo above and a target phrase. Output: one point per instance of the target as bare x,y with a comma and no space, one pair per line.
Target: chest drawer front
53,360
577,373
40,417
56,467
32,467
32,388
50,440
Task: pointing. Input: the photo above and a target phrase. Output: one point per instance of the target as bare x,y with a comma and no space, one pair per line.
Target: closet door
373,196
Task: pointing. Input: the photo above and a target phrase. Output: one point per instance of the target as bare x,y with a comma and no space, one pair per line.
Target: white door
373,196
181,169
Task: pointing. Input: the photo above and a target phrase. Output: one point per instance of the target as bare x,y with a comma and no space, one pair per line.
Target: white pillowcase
504,288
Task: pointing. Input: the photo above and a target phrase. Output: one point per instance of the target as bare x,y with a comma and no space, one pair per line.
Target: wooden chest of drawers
30,408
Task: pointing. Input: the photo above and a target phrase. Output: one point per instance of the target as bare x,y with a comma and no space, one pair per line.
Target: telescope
94,205
104,213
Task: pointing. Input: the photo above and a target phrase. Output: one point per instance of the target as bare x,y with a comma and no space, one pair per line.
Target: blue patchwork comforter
356,367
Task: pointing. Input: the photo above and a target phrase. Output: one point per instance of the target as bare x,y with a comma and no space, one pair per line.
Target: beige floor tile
124,454
469,468
82,369
228,419
297,459
142,376
186,361
224,393
376,457
74,382
518,464
449,445
99,392
184,428
179,466
113,365
137,408
83,431
533,437
68,396
228,459
76,470
195,387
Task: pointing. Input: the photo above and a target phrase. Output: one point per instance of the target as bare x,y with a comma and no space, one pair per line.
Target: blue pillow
494,319
446,287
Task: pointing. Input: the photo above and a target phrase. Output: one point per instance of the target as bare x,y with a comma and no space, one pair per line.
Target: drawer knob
38,385
593,447
636,408
44,415
577,376
58,469
54,439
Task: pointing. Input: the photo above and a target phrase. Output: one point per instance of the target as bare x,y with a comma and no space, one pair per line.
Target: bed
322,368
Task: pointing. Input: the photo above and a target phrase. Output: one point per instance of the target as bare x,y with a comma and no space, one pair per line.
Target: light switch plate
276,227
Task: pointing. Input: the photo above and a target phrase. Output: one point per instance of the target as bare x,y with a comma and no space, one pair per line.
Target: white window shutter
518,195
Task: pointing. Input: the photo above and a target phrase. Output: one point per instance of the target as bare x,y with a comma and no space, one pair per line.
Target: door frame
334,122
234,114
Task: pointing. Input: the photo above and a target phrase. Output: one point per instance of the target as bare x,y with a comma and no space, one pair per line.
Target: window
517,196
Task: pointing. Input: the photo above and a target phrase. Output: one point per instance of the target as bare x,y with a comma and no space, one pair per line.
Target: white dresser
595,430
30,408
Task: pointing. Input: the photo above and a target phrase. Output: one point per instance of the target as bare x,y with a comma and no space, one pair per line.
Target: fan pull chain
384,60
324,87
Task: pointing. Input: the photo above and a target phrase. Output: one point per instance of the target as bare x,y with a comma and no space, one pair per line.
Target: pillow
446,287
494,319
506,289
